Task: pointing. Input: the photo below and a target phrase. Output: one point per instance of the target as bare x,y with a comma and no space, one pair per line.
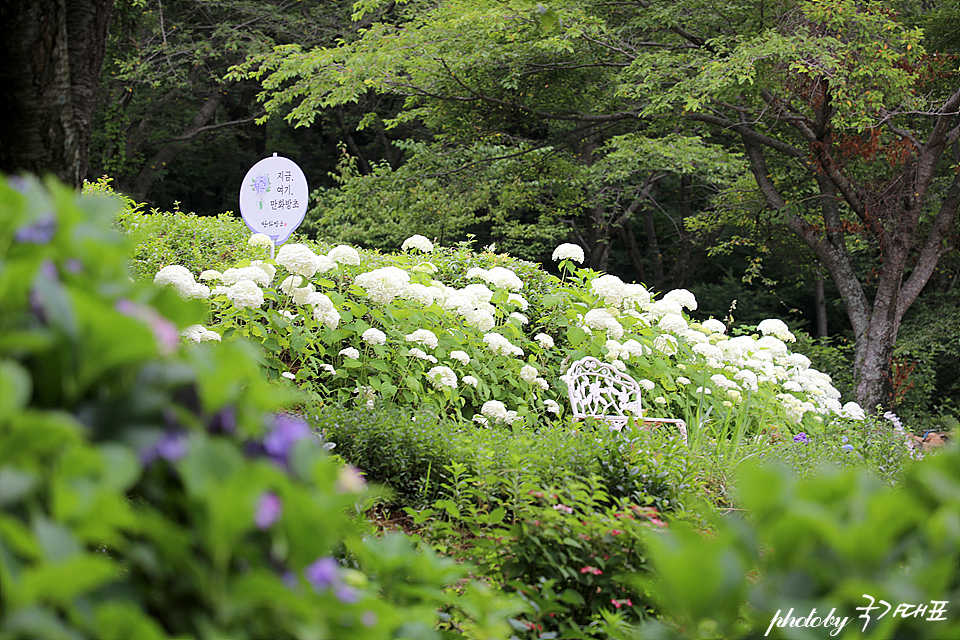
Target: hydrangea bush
153,489
485,346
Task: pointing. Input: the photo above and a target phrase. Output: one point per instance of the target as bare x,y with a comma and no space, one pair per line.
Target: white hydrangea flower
647,385
442,376
610,288
254,274
503,278
545,341
424,337
421,293
619,365
210,274
497,411
476,272
384,284
518,300
344,254
682,380
478,293
796,360
734,395
422,355
417,242
723,382
692,336
193,332
773,345
792,406
601,319
705,391
673,323
325,264
323,310
714,326
470,380
499,344
302,295
541,383
683,297
481,420
298,259
373,336
351,353
480,319
424,267
748,378
328,368
460,356
288,375
660,308
776,327
519,317
245,294
528,372
634,295
180,278
853,411
707,350
290,283
552,406
660,400
567,251
260,240
268,268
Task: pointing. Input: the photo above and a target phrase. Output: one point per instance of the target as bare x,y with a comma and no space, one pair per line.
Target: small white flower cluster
567,251
500,277
260,240
460,356
255,274
441,377
344,254
374,336
497,412
384,284
423,337
499,344
323,310
776,327
422,355
417,242
545,341
245,293
603,320
182,280
199,333
626,350
301,260
350,353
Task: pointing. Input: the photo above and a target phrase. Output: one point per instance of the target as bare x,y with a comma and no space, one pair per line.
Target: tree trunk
820,302
52,57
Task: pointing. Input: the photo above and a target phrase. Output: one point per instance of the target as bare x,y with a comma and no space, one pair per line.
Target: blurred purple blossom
269,508
801,437
322,574
346,595
172,446
284,433
40,232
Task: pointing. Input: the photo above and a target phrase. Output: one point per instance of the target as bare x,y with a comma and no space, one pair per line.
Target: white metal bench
598,390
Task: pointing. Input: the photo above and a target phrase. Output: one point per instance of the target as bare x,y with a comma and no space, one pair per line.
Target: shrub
830,542
152,490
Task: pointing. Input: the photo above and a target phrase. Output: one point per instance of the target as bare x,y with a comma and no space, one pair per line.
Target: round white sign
273,198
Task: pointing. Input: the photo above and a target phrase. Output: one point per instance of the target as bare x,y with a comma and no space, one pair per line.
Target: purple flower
801,437
285,432
346,595
40,232
269,508
172,446
848,447
224,421
322,574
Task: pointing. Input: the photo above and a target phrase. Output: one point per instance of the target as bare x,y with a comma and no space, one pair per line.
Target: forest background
760,154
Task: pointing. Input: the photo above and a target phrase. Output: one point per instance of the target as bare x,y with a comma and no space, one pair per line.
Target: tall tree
52,54
848,123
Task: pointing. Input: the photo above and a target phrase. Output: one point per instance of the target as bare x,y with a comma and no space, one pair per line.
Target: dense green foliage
150,490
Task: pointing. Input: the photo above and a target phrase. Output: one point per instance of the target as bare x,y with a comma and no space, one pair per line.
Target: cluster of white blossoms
545,341
603,320
460,356
182,280
500,277
384,284
568,251
777,328
495,411
424,337
199,333
350,353
442,376
245,293
501,345
374,336
344,254
301,260
260,240
323,310
420,354
417,242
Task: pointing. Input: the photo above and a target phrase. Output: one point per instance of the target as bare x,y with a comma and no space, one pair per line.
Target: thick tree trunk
52,53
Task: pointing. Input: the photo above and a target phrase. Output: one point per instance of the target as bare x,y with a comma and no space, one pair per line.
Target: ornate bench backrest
599,390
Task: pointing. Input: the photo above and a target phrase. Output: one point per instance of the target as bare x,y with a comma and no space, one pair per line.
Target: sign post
273,198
